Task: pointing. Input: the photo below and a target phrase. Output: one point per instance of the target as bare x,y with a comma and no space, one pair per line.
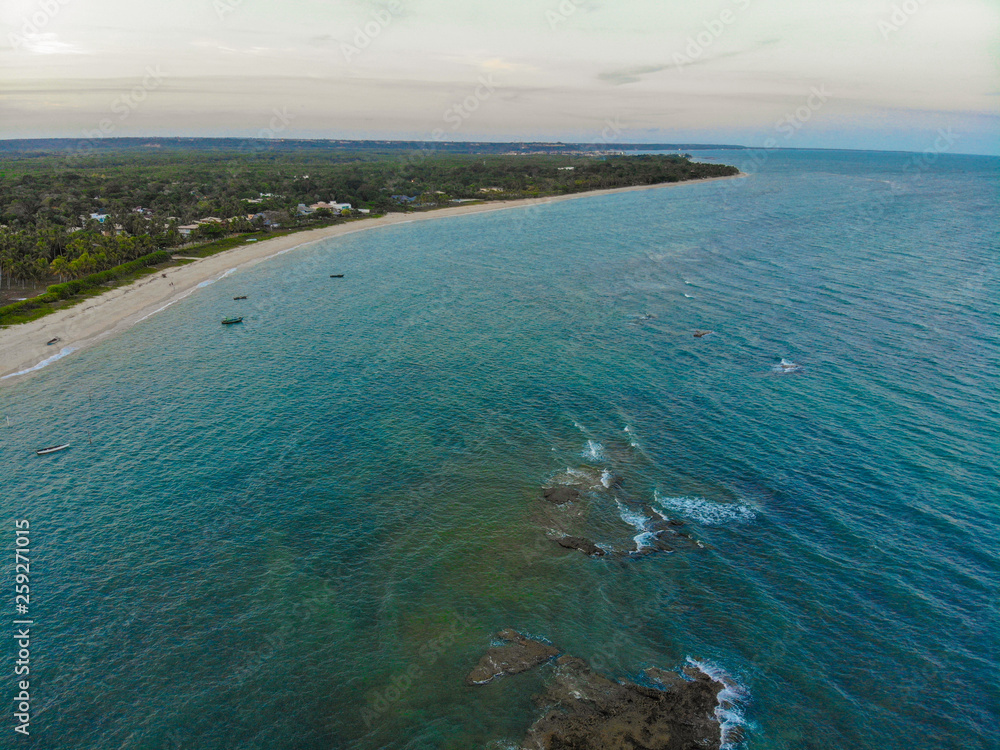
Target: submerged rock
516,654
587,711
586,546
561,494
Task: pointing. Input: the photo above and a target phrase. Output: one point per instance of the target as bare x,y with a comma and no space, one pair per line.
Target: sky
867,74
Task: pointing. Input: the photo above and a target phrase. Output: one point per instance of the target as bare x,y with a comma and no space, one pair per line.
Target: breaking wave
731,705
705,511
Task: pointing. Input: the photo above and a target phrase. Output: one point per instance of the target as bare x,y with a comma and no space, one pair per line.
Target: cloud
47,44
630,75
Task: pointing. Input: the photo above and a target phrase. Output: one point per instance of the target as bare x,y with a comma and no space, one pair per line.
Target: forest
141,198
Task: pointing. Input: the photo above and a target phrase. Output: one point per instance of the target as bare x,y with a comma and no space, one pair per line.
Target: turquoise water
301,532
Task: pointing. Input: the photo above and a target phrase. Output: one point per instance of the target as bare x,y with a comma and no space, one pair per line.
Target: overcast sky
879,74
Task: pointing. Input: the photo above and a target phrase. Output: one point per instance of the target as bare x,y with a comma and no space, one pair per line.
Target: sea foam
730,707
66,350
593,450
705,511
639,522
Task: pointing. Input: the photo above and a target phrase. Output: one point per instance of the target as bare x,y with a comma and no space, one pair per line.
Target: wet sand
23,348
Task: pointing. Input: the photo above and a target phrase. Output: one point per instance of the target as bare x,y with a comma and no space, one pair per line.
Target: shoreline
23,350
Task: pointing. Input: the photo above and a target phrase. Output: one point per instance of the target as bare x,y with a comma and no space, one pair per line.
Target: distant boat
243,297
50,342
230,321
52,449
336,275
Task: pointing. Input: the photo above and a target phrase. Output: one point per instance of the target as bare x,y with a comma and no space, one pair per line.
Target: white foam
65,351
786,366
212,281
639,522
606,478
632,517
689,296
631,437
593,450
705,511
730,707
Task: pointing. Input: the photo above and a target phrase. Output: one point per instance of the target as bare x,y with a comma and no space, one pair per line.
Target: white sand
23,349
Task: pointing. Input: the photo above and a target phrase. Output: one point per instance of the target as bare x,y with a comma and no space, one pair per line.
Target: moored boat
336,275
51,449
230,321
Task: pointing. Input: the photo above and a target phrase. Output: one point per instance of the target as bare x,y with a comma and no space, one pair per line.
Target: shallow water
301,532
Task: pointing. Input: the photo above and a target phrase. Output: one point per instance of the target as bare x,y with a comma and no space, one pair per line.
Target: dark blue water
301,532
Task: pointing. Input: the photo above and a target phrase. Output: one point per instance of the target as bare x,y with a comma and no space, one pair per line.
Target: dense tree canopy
46,201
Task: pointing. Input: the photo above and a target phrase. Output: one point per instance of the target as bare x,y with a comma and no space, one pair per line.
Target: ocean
302,531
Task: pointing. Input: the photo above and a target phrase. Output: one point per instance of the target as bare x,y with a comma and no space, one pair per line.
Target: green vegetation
35,307
71,217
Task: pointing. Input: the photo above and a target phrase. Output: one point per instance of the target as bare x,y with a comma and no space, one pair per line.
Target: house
403,198
99,217
304,210
186,229
271,219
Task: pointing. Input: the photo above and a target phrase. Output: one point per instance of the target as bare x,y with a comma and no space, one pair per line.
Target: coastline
23,348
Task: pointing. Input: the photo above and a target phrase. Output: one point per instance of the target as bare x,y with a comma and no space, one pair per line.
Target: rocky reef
584,710
586,546
561,494
516,653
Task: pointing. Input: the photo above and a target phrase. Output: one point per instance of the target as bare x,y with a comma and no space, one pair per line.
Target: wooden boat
336,275
50,342
241,297
52,449
230,321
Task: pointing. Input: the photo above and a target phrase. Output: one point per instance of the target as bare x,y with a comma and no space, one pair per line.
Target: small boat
336,275
230,321
699,333
52,449
243,297
50,342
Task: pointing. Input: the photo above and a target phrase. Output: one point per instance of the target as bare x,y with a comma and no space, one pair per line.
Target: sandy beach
23,348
